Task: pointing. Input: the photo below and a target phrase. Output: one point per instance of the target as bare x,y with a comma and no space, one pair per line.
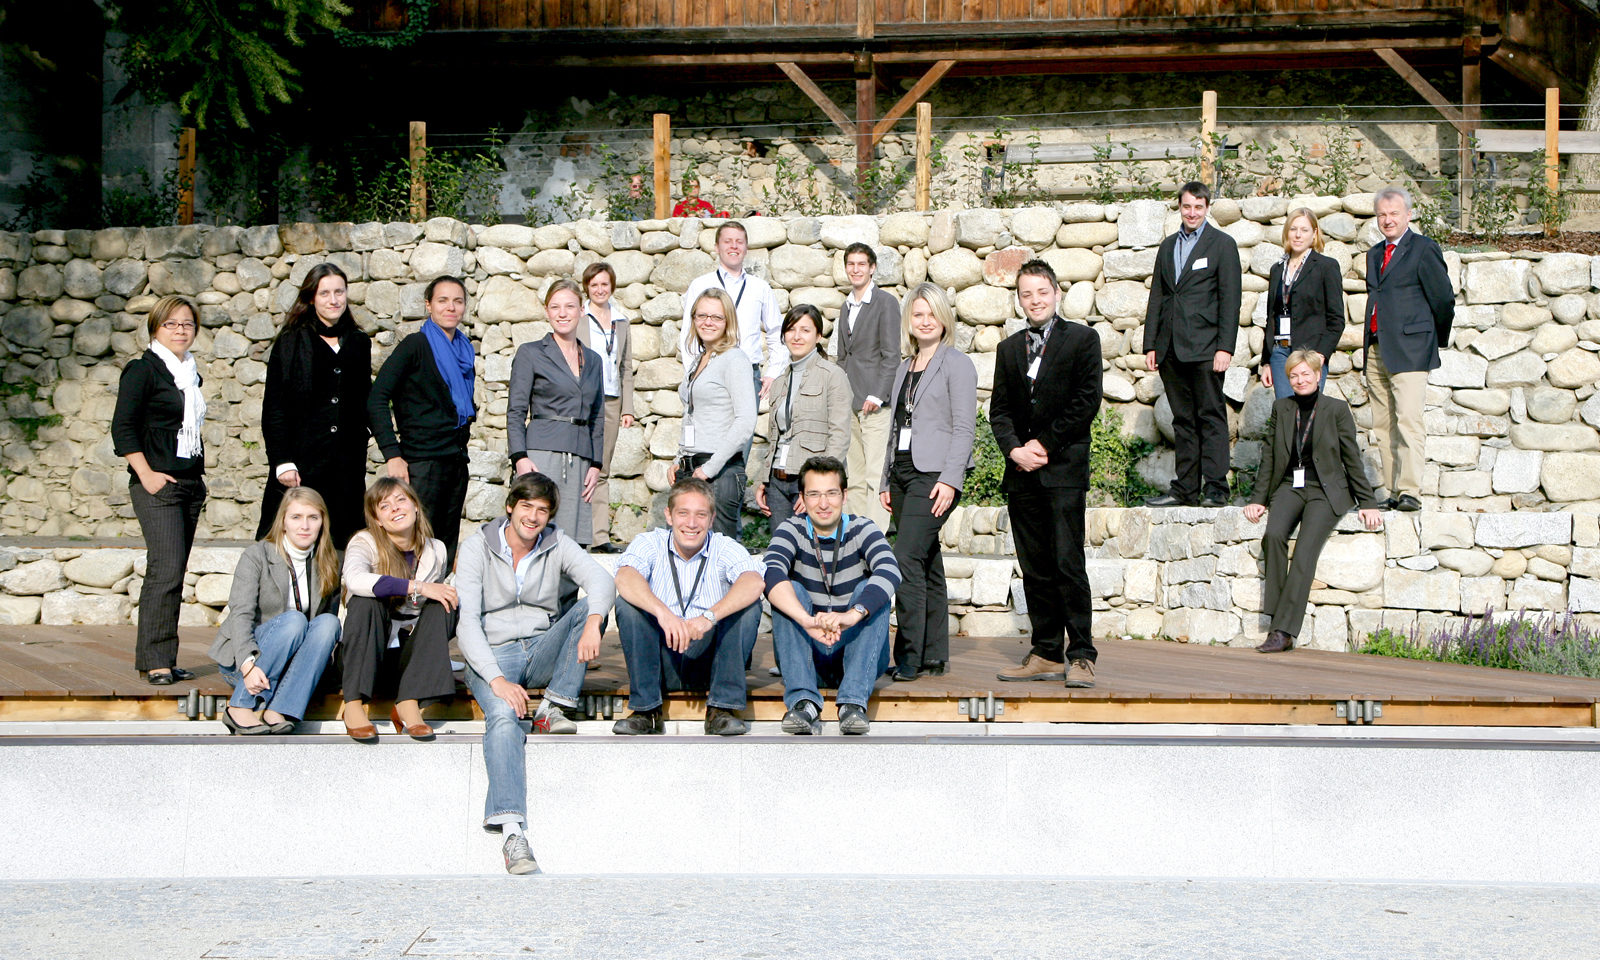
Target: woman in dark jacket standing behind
314,415
1305,301
933,421
1311,469
157,428
555,419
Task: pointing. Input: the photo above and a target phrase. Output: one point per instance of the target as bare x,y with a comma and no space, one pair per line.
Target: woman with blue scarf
427,381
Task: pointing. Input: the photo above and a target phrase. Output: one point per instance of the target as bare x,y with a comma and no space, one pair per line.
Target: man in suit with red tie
1410,307
1190,329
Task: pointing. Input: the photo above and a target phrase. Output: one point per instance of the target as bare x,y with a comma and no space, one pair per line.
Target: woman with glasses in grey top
810,414
719,406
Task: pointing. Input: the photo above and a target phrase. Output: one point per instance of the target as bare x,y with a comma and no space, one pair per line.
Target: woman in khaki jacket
810,414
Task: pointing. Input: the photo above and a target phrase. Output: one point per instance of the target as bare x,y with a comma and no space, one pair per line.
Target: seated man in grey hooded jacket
513,635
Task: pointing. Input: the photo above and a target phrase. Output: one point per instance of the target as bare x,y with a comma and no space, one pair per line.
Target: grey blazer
544,389
870,352
624,337
261,591
723,398
944,422
820,424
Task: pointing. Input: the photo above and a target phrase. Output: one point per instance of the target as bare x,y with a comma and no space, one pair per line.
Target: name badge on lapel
1200,264
1033,368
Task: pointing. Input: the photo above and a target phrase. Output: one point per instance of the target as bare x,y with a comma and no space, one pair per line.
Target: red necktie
1388,251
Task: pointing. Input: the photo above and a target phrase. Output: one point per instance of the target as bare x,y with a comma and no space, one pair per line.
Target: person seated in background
399,616
830,577
282,619
688,610
1311,469
691,205
514,635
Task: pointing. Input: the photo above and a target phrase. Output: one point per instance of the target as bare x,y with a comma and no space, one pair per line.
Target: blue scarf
454,359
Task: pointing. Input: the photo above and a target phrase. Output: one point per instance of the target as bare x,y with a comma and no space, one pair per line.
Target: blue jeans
293,655
714,663
852,665
548,660
1280,377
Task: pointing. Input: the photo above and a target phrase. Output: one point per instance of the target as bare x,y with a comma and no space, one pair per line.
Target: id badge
1283,326
1033,368
1200,264
781,461
905,439
1299,477
688,435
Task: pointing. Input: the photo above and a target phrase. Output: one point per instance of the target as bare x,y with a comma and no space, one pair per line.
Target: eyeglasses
176,325
823,496
708,316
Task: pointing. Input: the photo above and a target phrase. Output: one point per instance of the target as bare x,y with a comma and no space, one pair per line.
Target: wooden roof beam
839,117
934,75
1419,83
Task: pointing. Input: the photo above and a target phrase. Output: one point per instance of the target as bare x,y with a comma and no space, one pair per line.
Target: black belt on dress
575,421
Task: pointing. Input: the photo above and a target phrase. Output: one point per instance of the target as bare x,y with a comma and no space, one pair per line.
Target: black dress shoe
636,724
1387,503
1408,504
932,668
724,723
1167,500
1212,501
605,548
1277,642
180,674
162,679
905,672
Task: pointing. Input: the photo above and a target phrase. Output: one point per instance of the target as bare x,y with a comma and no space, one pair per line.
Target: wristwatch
711,616
860,610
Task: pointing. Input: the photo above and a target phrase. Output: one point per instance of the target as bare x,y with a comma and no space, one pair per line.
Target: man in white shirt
869,352
688,611
760,322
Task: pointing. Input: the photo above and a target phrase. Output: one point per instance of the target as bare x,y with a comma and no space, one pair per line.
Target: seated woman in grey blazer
1312,472
719,406
810,414
933,420
282,619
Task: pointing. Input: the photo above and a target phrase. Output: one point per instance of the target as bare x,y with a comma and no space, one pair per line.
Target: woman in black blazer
933,416
1311,469
157,428
1305,301
314,415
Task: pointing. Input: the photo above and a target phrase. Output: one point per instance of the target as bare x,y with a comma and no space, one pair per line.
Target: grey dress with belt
557,420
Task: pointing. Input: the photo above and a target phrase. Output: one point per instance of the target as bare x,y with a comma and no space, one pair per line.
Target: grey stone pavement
823,917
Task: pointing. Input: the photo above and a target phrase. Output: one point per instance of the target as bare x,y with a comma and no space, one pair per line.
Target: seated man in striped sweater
830,577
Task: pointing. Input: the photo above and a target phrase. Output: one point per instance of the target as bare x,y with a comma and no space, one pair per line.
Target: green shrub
985,479
1114,478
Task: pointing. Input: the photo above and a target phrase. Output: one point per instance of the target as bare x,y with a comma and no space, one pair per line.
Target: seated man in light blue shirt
688,609
513,636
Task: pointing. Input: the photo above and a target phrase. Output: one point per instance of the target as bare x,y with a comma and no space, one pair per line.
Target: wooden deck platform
86,673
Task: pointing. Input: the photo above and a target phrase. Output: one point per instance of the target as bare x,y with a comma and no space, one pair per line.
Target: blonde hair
1310,358
325,557
1317,239
939,302
391,561
730,332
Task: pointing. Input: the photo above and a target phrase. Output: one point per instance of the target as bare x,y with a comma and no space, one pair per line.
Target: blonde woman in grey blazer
282,619
719,406
934,416
810,414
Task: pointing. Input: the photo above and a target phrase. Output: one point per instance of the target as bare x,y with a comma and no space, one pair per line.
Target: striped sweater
865,564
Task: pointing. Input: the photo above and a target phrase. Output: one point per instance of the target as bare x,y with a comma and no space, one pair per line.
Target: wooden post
419,175
663,165
1472,112
1208,127
1552,145
186,175
866,107
924,153
866,19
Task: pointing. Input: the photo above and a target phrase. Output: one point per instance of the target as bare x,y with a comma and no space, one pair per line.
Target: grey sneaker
853,720
550,718
803,720
519,857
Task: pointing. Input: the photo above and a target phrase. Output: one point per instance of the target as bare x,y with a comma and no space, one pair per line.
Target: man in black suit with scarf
1046,394
1190,329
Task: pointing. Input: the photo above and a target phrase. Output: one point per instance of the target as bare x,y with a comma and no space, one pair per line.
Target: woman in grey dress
555,421
719,406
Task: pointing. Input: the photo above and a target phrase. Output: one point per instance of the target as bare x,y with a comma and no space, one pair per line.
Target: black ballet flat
239,729
163,679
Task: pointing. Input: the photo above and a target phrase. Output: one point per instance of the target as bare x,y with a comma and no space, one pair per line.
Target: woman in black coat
157,428
1305,301
314,416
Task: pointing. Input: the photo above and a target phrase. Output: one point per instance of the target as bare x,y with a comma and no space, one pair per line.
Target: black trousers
1047,524
419,669
922,604
1287,583
1199,428
167,518
441,485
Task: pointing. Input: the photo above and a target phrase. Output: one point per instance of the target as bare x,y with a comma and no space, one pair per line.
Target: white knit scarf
194,405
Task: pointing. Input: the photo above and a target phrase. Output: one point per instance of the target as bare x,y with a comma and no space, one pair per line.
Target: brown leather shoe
366,733
1080,674
1034,667
1277,642
416,731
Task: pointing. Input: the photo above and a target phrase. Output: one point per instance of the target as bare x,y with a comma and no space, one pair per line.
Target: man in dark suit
1046,395
1190,329
869,352
1410,307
